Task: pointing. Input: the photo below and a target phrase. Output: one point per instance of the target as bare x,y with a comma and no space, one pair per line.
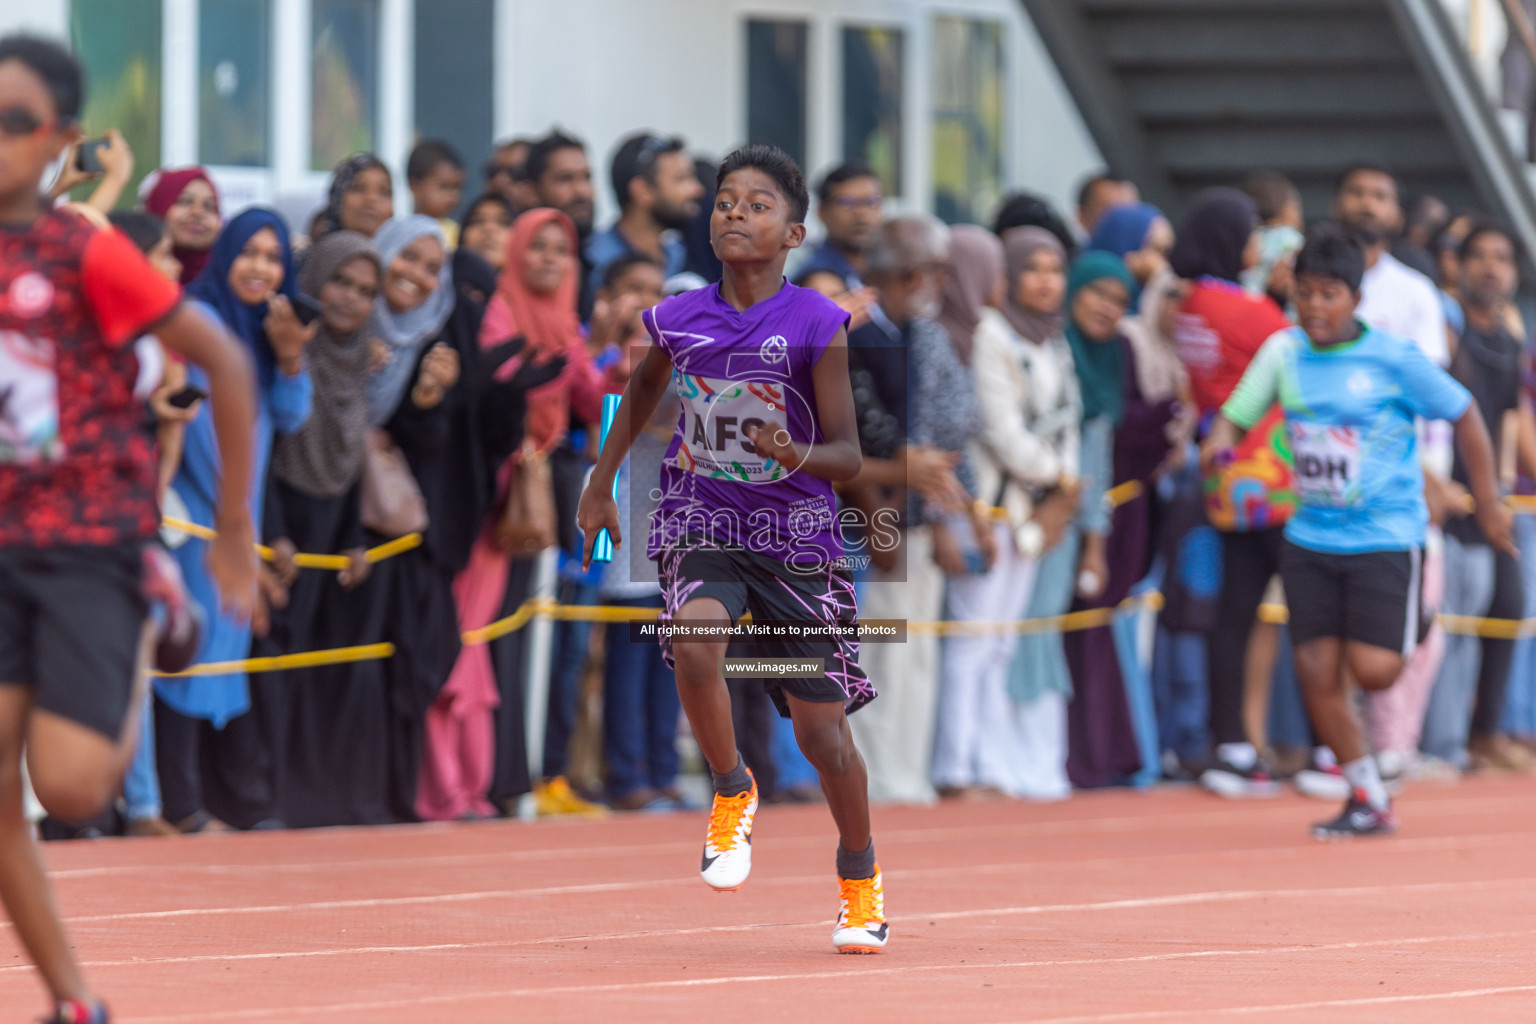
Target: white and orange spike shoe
861,925
728,846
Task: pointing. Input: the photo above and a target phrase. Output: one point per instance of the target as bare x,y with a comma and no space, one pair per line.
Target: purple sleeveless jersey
733,371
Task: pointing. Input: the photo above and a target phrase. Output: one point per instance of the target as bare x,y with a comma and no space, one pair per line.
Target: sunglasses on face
17,122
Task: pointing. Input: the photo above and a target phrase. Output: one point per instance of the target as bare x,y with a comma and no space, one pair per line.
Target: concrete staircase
1183,94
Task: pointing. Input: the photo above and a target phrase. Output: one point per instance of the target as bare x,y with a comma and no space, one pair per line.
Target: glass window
872,84
345,37
234,85
967,118
455,80
118,43
776,70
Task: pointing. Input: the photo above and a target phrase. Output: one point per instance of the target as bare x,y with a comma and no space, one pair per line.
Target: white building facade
953,101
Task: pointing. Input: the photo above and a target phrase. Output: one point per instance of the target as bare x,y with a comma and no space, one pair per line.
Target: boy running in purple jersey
747,519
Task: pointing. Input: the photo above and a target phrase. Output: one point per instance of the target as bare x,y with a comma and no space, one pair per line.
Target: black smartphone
88,156
307,308
188,395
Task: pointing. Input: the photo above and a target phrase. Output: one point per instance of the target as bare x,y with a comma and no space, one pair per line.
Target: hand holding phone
88,156
307,308
186,397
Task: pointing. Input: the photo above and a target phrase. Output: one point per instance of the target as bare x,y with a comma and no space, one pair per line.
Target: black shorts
1374,598
743,581
71,624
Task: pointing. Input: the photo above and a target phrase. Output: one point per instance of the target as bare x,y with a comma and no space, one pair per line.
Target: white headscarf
405,333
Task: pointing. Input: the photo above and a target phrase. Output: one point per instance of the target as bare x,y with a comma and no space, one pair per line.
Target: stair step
1254,41
1410,150
1328,94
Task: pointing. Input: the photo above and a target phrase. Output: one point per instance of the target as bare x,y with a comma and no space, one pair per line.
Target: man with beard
1466,705
1394,297
658,194
558,171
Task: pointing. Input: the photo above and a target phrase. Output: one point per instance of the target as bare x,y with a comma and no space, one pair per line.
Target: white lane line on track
640,986
597,887
1141,903
1203,1013
1227,819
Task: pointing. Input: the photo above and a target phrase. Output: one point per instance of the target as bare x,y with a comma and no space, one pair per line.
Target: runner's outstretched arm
597,510
232,394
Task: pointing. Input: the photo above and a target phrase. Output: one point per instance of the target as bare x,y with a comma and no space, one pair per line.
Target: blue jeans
568,659
1520,701
1178,686
141,785
640,710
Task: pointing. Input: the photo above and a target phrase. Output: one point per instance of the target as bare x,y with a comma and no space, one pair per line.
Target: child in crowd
435,175
149,233
160,378
747,517
77,495
1353,551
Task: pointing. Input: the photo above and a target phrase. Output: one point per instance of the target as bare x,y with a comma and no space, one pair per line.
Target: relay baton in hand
602,548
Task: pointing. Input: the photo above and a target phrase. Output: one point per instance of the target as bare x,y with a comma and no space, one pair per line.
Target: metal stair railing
1447,69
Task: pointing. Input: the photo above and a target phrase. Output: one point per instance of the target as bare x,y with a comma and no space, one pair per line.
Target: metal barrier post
536,682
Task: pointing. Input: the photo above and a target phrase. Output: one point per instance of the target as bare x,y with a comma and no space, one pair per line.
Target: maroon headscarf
167,186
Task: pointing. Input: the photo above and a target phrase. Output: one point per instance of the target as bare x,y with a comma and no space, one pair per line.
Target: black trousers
1248,562
1498,655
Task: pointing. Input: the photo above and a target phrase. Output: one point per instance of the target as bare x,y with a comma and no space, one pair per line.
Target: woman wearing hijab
1139,234
248,285
991,582
1028,465
187,200
326,728
445,447
1111,722
1219,329
361,197
415,301
475,758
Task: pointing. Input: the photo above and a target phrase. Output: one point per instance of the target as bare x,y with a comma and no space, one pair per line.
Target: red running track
1168,906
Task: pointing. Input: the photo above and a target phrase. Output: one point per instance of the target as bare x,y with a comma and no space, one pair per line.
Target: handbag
526,524
1255,490
391,501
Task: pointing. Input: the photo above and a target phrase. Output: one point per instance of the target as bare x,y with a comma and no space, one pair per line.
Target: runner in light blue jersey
1351,562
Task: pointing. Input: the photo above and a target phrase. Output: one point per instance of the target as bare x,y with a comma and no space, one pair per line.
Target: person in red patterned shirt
77,494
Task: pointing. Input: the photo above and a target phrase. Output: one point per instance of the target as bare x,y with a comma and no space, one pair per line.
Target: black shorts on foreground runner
71,624
743,581
1374,598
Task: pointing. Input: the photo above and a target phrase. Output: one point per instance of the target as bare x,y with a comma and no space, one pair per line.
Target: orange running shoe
728,845
861,925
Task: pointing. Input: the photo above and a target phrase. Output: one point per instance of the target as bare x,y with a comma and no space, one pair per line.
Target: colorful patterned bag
1254,491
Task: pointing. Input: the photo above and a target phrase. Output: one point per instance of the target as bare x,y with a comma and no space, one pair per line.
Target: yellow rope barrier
1072,622
309,659
543,607
336,563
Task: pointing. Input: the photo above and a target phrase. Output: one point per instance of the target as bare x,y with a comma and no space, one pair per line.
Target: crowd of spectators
1029,396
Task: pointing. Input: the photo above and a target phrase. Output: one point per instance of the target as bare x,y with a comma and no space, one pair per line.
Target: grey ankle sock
856,865
734,782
